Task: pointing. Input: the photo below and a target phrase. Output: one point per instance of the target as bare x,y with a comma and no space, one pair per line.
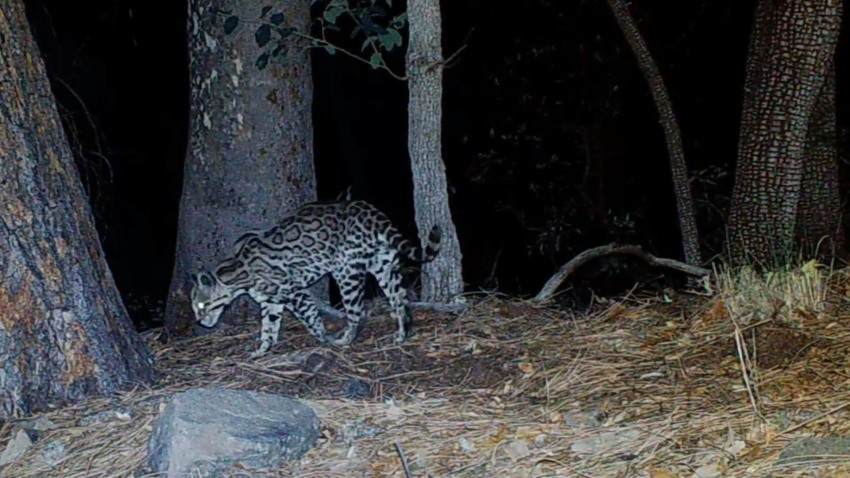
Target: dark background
550,135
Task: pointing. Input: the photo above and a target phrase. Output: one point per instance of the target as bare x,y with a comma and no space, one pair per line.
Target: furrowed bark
250,158
64,332
442,279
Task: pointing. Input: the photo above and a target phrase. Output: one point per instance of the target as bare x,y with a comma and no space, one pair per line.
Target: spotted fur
275,267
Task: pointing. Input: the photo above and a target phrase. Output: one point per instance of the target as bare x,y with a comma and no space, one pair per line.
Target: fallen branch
552,284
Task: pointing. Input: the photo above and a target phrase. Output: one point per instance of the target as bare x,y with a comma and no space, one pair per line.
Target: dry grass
508,390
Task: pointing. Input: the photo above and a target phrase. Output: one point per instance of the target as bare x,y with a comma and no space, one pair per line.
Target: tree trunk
442,279
64,332
785,77
681,184
819,211
250,158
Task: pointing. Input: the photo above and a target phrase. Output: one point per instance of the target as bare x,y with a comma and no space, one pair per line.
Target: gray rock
16,447
810,450
204,431
356,389
53,452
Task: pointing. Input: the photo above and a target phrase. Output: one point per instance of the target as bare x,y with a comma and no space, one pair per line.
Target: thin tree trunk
442,279
250,158
819,211
681,184
64,332
788,73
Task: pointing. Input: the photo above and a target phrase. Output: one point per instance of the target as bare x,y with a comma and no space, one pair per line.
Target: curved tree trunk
819,211
250,158
64,332
681,184
442,279
786,76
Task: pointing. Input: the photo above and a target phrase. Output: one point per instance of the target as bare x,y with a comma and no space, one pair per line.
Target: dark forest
629,220
551,138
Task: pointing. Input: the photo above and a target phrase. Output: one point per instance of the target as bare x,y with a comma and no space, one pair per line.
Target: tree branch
552,284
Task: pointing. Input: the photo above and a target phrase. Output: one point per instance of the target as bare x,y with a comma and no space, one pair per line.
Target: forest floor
740,381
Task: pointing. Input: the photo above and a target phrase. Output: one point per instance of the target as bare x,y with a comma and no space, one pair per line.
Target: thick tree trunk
681,184
442,279
819,210
64,333
250,158
784,79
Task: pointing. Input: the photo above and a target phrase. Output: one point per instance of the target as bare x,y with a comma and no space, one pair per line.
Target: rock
604,441
356,389
16,447
204,431
39,424
120,413
807,450
53,452
517,449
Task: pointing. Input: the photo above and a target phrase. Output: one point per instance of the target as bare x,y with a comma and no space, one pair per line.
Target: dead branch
552,284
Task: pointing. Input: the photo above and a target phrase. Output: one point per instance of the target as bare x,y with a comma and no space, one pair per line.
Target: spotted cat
276,266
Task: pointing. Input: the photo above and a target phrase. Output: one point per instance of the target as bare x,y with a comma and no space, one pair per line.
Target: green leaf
390,40
277,18
266,10
331,15
366,43
396,36
278,50
389,3
399,21
331,50
285,32
263,35
230,24
377,11
263,60
375,60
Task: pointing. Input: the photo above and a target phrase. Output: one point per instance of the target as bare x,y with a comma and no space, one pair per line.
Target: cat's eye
201,305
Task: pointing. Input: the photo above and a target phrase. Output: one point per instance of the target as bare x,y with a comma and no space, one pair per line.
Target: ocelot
276,266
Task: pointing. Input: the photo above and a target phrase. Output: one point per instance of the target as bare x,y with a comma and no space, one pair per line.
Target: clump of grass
785,294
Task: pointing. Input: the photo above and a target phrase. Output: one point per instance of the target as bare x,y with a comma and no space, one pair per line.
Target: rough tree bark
442,279
819,210
250,158
64,332
792,49
681,184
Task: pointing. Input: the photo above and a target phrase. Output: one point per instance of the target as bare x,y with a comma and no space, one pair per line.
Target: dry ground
683,387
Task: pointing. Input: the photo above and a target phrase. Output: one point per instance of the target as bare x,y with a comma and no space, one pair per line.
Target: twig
403,459
579,260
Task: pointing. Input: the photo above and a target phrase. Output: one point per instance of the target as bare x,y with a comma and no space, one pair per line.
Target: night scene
424,239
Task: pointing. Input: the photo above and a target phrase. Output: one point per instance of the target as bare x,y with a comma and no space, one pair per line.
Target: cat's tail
417,253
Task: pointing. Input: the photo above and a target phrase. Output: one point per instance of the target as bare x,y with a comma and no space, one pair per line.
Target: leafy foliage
381,31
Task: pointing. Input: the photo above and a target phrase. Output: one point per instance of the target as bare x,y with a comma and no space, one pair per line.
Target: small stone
39,424
517,449
16,447
356,389
53,452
